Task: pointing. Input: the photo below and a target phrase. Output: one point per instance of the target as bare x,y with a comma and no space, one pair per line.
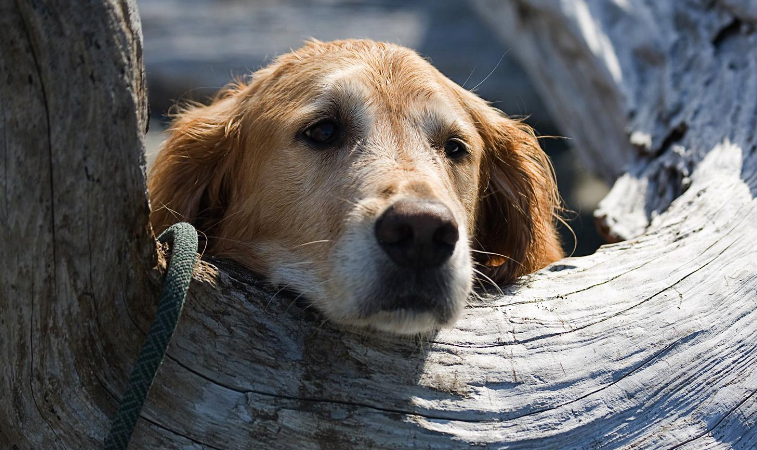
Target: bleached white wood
644,89
649,343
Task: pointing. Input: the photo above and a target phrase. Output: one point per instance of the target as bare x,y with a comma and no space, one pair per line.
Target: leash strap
183,237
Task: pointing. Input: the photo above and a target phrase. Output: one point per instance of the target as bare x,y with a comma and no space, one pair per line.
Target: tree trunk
649,343
77,247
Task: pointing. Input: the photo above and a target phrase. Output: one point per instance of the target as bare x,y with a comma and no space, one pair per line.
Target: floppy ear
519,200
186,183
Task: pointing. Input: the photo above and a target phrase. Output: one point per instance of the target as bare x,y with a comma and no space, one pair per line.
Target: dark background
194,47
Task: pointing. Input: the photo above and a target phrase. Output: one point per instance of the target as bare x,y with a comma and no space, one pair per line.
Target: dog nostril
393,233
447,234
417,233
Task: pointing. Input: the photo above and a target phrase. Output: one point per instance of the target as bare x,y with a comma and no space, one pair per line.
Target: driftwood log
649,343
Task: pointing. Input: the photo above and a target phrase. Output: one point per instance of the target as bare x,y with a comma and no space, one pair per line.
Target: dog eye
323,132
455,149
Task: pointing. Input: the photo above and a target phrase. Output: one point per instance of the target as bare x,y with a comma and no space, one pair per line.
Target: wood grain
77,248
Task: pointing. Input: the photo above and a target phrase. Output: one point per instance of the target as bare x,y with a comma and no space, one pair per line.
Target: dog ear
186,183
518,200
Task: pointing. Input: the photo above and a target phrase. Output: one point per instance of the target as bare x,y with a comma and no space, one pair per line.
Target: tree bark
77,247
649,343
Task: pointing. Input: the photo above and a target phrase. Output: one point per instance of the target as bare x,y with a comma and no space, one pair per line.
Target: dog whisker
468,79
292,303
321,241
499,290
227,217
490,73
205,242
348,201
570,229
480,284
174,213
319,327
496,254
490,253
275,294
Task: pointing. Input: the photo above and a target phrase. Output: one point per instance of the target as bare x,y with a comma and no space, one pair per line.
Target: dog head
356,174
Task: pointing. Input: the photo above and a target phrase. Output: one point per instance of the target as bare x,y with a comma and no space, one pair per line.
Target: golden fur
238,170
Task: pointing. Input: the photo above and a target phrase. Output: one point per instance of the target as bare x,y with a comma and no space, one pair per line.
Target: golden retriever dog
356,174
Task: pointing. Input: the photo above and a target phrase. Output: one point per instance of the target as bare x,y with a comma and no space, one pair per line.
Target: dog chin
408,312
370,293
406,322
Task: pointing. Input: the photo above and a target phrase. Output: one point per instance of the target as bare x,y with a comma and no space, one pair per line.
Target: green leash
184,239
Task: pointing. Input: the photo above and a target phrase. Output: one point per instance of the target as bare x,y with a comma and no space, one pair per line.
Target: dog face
356,174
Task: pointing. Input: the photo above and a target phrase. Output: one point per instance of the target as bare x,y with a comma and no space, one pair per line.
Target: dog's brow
343,82
440,118
340,93
345,92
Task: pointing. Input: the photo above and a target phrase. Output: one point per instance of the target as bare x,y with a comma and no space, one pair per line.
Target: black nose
417,233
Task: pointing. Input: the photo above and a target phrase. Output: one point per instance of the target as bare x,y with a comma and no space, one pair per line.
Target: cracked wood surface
649,343
644,88
73,216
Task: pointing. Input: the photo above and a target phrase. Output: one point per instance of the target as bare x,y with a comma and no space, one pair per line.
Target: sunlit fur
240,171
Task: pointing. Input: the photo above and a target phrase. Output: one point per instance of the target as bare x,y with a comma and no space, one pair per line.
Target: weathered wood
77,248
649,343
625,347
645,89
